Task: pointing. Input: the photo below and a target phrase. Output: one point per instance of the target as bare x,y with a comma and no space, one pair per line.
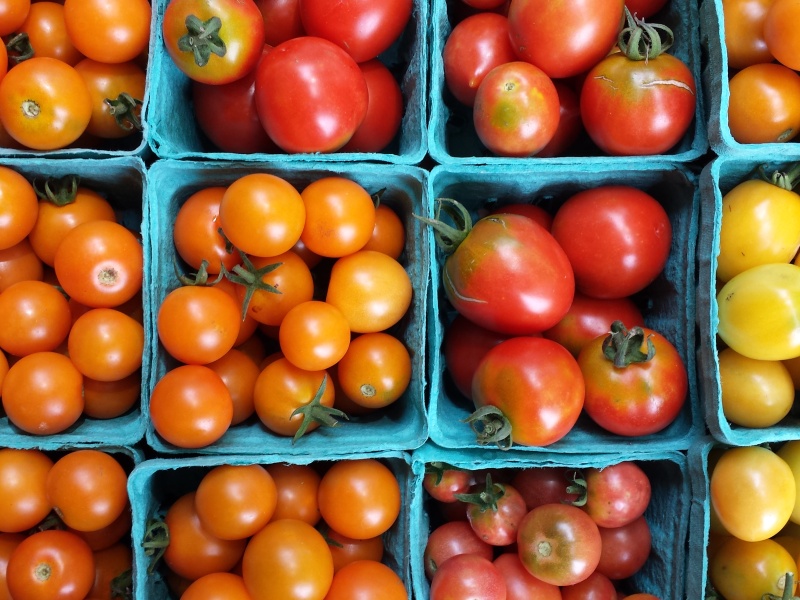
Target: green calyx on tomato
438,469
58,190
19,48
448,237
642,41
623,346
491,426
123,109
578,486
122,585
202,39
316,412
487,498
252,279
786,180
199,279
155,542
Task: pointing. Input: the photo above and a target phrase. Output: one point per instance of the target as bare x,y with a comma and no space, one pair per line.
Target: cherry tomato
106,344
18,208
782,40
105,537
389,234
110,564
494,512
790,453
282,20
468,576
763,105
624,549
297,487
109,399
520,584
345,550
117,91
314,335
109,31
366,578
8,543
617,494
376,370
239,373
19,263
595,587
217,586
544,485
36,318
46,28
532,211
451,539
644,9
744,32
570,126
12,14
23,497
747,569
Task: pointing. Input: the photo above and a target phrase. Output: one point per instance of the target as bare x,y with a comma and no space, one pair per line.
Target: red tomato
544,485
451,539
595,587
516,109
615,495
217,42
570,125
443,482
532,211
468,576
625,549
363,28
644,9
310,95
520,584
559,544
548,34
617,239
281,20
474,47
494,512
638,399
532,385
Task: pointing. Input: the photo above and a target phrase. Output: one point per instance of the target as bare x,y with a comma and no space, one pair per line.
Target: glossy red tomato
212,51
310,95
570,125
595,587
617,239
615,495
520,584
644,396
516,109
363,28
515,254
644,9
544,485
494,512
532,385
468,576
281,20
450,539
443,482
564,39
625,549
474,47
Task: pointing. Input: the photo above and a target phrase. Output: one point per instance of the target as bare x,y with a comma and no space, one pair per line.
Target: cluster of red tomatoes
754,540
283,531
72,337
296,76
546,532
542,332
536,75
65,525
317,271
71,72
759,279
763,48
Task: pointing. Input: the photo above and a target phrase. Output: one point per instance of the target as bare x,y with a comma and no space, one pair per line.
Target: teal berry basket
667,304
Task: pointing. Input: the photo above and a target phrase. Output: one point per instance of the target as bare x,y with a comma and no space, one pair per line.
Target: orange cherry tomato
19,263
366,578
744,32
110,564
780,32
112,31
18,207
47,33
8,543
12,15
389,234
346,550
764,104
239,373
217,586
23,495
36,318
110,399
314,335
296,487
375,370
106,344
117,92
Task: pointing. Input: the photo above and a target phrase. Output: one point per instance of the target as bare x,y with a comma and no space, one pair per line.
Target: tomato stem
122,585
491,426
155,542
448,237
376,197
487,498
437,469
123,109
19,48
58,190
315,412
784,179
202,39
788,590
198,279
578,488
642,41
623,347
252,279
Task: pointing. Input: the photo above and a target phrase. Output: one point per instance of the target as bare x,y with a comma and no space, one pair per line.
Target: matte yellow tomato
759,312
755,393
760,225
753,491
790,453
742,570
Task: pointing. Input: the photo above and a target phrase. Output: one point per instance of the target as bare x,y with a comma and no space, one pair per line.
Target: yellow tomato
793,366
753,491
790,453
791,544
760,225
759,312
742,570
755,393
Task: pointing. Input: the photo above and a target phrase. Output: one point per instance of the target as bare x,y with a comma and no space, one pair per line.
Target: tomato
468,576
190,407
389,234
19,263
515,254
443,482
359,498
588,318
754,393
105,537
451,539
544,485
44,104
474,47
234,502
636,382
372,290
782,40
595,587
743,570
345,550
192,551
198,324
213,42
363,28
559,544
758,312
42,393
755,512
106,345
366,578
520,584
196,232
61,211
18,208
12,14
531,386
615,495
23,498
516,109
763,105
310,95
288,560
645,9
8,543
87,489
494,512
110,564
100,264
239,373
109,399
744,32
262,214
282,20
625,549
217,586
51,564
616,237
36,318
532,211
550,36
376,370
314,335
282,389
297,487
46,28
117,91
570,126
110,31
790,453
755,227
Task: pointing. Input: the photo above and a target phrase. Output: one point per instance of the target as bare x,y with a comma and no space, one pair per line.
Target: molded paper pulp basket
173,132
122,182
451,134
400,426
667,514
156,483
667,304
